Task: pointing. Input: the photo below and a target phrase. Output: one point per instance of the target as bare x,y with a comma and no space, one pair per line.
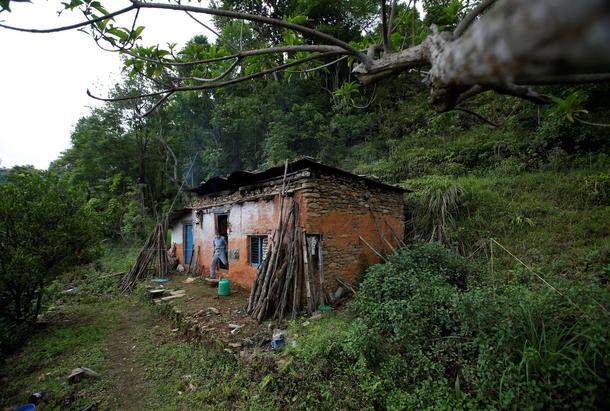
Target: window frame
259,239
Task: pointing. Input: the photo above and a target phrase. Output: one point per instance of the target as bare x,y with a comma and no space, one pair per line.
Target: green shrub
45,229
429,332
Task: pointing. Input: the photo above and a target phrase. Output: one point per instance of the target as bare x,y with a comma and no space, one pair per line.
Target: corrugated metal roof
240,178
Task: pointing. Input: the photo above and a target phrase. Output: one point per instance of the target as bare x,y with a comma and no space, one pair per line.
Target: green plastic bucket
224,287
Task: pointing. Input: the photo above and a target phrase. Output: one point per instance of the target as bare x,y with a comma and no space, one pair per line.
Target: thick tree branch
517,42
524,92
522,40
391,64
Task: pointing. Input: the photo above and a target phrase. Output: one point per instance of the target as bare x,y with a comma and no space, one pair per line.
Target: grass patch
71,339
553,220
184,375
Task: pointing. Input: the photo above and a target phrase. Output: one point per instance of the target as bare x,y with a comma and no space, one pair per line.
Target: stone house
341,212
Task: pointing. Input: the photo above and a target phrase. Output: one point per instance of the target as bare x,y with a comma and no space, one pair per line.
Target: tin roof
240,178
176,215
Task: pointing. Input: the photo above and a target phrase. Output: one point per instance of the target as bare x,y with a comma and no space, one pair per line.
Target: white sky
44,77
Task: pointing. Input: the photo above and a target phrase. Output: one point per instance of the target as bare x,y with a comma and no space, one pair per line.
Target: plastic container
277,343
26,407
224,287
36,397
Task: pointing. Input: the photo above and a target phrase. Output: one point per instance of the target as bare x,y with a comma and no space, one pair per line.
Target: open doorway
222,226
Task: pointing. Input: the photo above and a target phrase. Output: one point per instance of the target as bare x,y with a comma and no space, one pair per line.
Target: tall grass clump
436,203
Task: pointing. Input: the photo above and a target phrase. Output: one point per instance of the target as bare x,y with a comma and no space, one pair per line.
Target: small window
258,249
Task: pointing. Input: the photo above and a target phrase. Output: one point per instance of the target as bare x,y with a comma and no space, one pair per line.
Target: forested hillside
538,171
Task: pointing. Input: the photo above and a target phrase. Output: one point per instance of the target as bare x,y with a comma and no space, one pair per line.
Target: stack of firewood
153,253
285,279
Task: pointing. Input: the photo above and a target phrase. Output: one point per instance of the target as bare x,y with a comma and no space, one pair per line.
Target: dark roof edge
240,178
367,179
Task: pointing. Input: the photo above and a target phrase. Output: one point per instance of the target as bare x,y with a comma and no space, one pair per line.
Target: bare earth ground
125,370
215,317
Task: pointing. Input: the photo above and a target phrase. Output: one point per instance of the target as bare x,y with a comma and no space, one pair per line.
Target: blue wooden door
188,243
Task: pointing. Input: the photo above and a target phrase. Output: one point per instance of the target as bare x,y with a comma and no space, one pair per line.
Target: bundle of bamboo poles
285,279
153,252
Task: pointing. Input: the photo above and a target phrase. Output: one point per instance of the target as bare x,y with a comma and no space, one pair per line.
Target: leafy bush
431,332
447,338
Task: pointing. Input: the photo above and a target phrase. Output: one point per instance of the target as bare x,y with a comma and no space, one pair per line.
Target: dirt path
125,371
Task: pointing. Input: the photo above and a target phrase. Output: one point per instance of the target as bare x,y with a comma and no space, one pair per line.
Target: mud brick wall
341,209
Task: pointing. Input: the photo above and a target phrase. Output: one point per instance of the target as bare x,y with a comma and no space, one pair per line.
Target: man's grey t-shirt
220,245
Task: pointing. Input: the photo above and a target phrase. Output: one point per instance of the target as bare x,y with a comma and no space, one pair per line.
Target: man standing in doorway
220,253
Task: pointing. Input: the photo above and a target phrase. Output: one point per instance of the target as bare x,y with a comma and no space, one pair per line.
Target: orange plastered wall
245,219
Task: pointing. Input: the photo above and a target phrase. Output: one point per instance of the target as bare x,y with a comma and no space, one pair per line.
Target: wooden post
394,234
308,285
389,245
321,272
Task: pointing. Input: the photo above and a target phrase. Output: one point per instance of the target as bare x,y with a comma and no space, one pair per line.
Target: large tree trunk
516,42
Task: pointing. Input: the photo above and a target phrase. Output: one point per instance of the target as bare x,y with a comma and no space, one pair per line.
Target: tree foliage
45,228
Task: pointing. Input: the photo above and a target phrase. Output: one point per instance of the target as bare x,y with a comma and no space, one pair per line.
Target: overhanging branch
243,54
260,19
168,92
73,26
220,76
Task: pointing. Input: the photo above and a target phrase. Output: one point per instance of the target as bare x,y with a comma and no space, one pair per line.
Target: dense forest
500,170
